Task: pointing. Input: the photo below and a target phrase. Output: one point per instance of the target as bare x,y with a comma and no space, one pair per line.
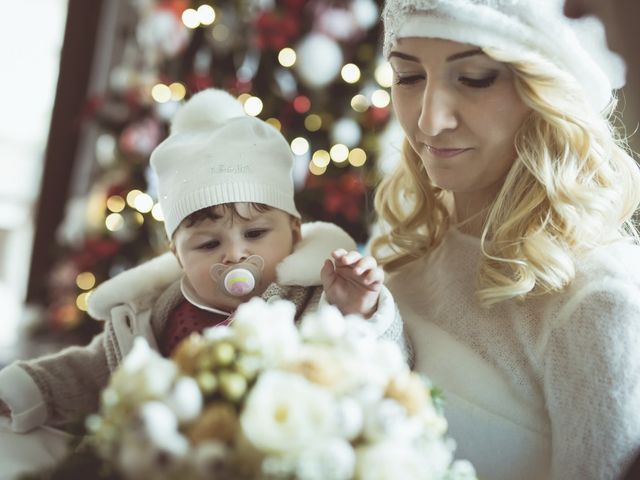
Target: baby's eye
484,82
209,245
257,233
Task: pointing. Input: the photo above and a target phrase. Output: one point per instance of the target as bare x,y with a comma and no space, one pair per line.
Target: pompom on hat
216,154
539,26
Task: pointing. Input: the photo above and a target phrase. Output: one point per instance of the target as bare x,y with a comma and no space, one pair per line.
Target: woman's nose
438,113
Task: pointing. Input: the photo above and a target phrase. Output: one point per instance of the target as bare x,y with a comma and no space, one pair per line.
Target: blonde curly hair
573,187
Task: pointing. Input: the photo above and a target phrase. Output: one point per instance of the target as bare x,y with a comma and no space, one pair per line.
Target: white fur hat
217,154
577,46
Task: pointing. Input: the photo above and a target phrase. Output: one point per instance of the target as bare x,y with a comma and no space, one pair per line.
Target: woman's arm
592,383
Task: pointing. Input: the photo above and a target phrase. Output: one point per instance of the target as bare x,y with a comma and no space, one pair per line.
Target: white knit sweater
547,388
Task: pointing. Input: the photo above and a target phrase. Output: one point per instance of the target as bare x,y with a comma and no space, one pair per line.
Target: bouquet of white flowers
264,399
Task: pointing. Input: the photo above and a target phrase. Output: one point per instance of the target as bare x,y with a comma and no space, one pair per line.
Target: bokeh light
287,57
299,146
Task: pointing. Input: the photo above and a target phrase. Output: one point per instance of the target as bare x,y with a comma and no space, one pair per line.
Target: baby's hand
353,284
5,411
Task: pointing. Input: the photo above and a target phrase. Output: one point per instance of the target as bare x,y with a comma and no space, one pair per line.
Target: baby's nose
235,254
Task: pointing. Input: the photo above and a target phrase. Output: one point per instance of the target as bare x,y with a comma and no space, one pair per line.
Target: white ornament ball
346,131
366,13
319,60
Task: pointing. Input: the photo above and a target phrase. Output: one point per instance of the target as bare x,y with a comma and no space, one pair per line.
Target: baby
226,190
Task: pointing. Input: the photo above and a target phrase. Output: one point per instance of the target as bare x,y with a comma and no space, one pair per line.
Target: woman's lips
445,152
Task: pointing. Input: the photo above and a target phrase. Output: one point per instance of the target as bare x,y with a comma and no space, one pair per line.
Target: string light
220,32
190,18
156,212
313,122
139,218
299,146
360,103
82,302
316,170
114,222
115,203
253,106
384,75
143,203
350,73
339,153
161,93
206,14
131,197
321,158
178,91
287,57
357,157
86,280
275,123
380,98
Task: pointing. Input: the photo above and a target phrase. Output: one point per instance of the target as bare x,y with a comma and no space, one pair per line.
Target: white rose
332,459
267,329
350,418
211,459
389,419
286,413
185,399
462,470
392,460
326,324
143,373
360,335
136,458
388,358
161,428
218,333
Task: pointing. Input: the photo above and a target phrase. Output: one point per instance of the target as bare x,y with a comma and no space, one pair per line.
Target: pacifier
240,279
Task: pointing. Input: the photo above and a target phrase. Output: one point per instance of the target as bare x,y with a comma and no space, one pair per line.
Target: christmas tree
310,68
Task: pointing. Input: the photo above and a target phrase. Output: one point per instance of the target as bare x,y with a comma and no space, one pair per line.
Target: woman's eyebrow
450,58
404,56
465,54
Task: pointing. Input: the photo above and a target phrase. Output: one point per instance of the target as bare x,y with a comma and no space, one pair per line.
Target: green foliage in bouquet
264,399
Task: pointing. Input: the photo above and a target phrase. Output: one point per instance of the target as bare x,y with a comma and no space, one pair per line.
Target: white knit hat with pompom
531,26
217,154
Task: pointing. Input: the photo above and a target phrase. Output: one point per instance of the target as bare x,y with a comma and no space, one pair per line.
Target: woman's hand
353,284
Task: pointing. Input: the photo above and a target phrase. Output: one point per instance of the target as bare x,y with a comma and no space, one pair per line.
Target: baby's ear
172,247
296,229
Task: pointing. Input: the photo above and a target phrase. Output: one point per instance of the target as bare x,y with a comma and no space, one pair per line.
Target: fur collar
151,278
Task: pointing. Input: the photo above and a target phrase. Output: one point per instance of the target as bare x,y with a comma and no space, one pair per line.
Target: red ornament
175,6
273,31
198,81
345,197
377,116
301,104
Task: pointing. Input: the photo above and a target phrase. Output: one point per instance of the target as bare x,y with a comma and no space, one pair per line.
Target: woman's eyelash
408,79
478,82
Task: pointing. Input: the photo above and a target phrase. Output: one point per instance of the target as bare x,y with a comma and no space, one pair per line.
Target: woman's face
460,112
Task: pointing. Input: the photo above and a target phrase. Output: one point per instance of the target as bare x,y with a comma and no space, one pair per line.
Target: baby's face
230,240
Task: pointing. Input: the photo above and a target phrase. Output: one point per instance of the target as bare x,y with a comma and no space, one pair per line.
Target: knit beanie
530,26
216,154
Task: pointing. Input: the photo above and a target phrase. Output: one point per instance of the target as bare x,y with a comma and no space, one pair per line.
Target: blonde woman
508,238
